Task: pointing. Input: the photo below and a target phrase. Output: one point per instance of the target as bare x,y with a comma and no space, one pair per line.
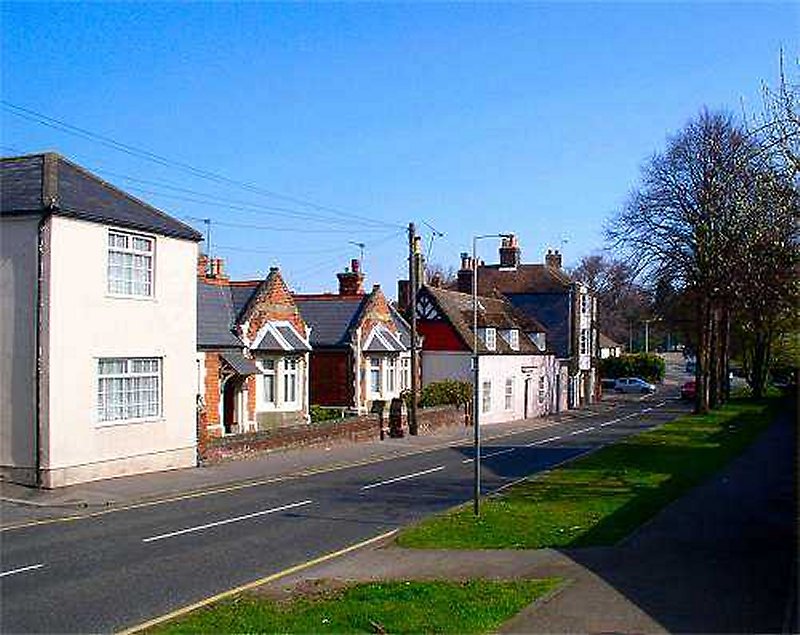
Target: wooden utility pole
413,283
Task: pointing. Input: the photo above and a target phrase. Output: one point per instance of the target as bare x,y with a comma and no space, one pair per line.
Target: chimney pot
509,252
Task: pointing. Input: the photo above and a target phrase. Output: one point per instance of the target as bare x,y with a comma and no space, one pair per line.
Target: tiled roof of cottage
216,316
49,183
604,341
493,312
331,317
532,278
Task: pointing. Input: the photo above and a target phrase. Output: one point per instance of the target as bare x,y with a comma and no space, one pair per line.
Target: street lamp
476,505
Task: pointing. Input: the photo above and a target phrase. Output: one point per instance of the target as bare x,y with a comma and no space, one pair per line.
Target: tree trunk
701,367
726,354
713,360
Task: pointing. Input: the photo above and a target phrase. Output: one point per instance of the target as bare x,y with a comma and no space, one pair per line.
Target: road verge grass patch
600,498
475,606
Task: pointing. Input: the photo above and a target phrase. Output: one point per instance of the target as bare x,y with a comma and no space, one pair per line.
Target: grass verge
477,606
599,499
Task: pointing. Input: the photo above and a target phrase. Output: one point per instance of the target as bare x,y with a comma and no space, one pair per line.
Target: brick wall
212,395
353,430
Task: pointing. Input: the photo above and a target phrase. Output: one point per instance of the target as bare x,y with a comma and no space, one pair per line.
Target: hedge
448,392
646,365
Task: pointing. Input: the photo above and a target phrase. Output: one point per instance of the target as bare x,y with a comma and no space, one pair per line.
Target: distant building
97,328
519,376
608,347
253,352
567,308
360,345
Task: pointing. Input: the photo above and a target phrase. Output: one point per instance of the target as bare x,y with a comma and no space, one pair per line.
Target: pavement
721,559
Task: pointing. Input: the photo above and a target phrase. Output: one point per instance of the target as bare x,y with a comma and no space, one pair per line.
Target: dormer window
539,340
513,339
490,337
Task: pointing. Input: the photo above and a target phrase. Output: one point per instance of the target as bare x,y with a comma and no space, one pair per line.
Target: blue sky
474,118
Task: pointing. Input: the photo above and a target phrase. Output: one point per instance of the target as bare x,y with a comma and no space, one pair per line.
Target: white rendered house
97,328
518,376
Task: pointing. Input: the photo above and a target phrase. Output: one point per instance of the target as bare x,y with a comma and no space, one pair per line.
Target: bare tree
439,275
621,300
683,224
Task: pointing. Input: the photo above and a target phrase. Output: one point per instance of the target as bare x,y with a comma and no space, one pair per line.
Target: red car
688,390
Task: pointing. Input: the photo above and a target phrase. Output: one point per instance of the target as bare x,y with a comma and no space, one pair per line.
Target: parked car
634,385
609,384
688,390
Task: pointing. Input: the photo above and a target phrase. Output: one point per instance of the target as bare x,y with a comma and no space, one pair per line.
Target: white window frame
584,341
490,337
513,339
130,250
405,373
391,374
542,388
585,304
269,371
376,372
128,377
290,381
486,396
509,393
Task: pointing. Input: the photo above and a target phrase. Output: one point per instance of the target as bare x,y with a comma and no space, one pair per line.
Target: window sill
139,298
125,422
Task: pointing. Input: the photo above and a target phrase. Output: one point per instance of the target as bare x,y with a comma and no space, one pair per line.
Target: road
116,570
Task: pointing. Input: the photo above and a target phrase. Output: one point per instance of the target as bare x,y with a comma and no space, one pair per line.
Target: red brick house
253,352
360,345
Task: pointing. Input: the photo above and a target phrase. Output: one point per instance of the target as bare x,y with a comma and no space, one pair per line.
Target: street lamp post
476,495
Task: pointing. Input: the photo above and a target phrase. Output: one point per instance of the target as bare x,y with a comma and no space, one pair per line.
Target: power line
298,230
51,122
244,206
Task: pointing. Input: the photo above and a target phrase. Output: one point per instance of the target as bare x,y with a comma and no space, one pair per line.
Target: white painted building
101,285
518,377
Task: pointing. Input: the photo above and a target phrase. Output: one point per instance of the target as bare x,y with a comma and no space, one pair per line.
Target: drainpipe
37,309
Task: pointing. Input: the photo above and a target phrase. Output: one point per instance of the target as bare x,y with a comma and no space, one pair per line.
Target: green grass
477,606
599,499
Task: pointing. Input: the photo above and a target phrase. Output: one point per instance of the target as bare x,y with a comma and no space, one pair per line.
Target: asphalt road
116,570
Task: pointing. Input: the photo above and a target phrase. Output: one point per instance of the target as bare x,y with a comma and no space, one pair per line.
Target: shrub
318,414
448,392
646,365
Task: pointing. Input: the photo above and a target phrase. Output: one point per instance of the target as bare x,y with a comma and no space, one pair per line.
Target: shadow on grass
721,559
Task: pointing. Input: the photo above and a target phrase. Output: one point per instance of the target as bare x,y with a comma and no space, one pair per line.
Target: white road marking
659,405
21,569
617,420
542,442
403,478
490,455
236,519
572,434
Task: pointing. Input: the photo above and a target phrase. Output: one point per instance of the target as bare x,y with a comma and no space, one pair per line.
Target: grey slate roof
49,183
293,340
331,319
215,317
240,363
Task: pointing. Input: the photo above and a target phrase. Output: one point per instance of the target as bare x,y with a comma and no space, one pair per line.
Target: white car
634,384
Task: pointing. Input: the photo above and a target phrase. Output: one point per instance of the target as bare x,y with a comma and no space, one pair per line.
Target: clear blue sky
475,118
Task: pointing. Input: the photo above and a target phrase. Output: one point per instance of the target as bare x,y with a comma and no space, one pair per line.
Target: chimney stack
202,266
351,281
465,274
509,253
553,259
